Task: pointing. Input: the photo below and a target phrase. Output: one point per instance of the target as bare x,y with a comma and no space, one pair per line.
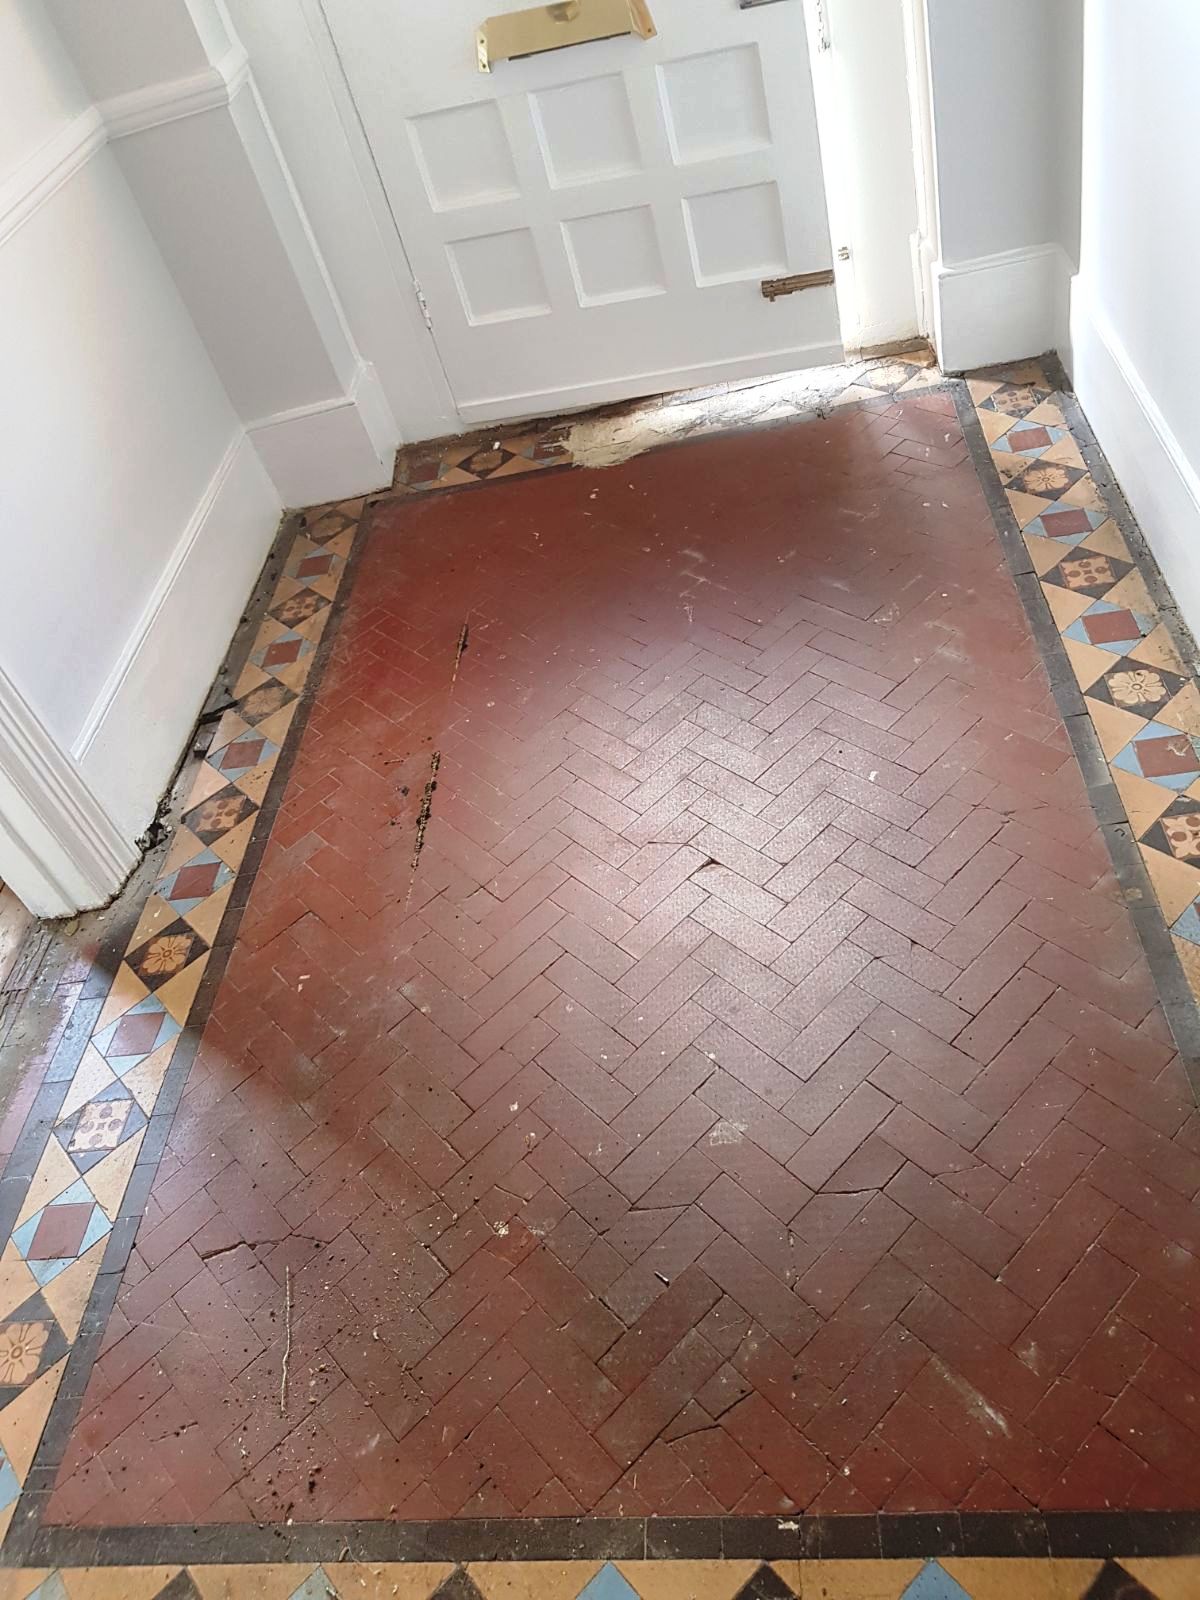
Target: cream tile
1088,661
266,1582
995,425
275,727
1189,960
157,914
1176,883
109,1178
20,1585
117,1583
853,395
91,1075
414,1580
127,989
67,1295
17,1283
1085,495
184,845
145,1080
1065,605
54,1173
343,544
532,1580
1032,1580
206,917
1144,801
231,726
178,993
232,846
1049,412
981,389
295,675
1065,453
22,1420
1043,553
1131,591
257,781
1107,540
1025,507
687,1580
1183,711
250,677
855,1580
1157,649
206,782
1009,466
1114,727
1169,1578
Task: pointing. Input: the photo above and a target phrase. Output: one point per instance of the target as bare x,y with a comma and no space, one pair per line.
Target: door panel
594,222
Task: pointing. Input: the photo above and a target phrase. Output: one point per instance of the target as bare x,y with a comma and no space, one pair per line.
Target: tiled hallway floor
682,1049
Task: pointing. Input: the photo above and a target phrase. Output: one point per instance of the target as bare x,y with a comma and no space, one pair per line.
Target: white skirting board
1002,307
333,450
131,739
1160,483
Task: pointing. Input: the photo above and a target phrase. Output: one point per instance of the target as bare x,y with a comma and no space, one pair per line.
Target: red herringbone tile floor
751,1097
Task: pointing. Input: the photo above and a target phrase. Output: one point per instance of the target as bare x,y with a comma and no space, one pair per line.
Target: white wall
1005,88
1135,317
135,515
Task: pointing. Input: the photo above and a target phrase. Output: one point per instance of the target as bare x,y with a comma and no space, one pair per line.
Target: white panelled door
595,222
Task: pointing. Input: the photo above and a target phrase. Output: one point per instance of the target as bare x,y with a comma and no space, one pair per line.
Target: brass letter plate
772,288
554,27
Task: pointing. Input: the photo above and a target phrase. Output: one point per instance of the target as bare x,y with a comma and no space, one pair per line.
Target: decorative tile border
1129,656
912,1579
111,1091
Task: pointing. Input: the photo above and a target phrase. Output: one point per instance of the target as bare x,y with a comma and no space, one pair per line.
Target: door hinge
424,304
772,288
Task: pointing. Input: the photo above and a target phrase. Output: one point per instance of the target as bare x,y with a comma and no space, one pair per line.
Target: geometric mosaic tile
264,702
766,1584
168,952
30,1342
1085,572
312,565
97,1128
282,652
127,1042
1067,524
59,1233
1132,687
1177,831
188,885
1015,399
1163,755
1030,439
1050,480
218,813
298,607
1116,629
242,753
